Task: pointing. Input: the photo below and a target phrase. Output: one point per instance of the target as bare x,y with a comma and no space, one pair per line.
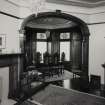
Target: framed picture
2,41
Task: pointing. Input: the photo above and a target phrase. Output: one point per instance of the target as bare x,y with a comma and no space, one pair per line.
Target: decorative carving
41,36
65,36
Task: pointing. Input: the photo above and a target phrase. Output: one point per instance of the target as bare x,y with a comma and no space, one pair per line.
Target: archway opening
56,34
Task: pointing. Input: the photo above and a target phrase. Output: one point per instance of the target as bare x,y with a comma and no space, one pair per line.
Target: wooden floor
66,81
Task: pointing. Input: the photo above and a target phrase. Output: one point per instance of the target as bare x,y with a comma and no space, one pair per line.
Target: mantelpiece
103,65
14,62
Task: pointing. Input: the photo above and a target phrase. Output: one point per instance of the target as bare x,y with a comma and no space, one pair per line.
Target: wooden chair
56,68
95,82
76,70
76,73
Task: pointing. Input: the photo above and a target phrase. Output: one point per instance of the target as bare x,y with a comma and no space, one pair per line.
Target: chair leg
74,75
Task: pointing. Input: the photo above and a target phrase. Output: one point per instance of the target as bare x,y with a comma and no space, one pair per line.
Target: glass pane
65,36
49,47
65,47
42,48
41,36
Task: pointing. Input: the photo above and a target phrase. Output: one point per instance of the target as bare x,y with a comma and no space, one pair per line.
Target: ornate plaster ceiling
91,1
82,3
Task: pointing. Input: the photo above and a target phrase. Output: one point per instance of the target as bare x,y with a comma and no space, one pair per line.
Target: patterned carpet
55,95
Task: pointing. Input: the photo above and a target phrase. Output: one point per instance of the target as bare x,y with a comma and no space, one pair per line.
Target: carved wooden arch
83,26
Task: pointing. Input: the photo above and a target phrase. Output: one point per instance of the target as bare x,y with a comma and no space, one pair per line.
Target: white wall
97,50
97,45
9,26
4,75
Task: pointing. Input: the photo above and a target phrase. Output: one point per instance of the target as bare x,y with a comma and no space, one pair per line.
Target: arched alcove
54,23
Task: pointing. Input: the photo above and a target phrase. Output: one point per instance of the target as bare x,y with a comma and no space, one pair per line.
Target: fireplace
10,68
4,83
0,89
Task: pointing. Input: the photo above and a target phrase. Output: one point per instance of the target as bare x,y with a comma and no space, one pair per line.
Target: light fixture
47,33
36,5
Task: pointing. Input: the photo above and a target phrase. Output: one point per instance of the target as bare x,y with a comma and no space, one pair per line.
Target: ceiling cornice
20,3
87,1
66,2
78,3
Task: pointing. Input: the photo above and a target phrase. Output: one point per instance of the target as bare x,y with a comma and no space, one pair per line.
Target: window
49,47
65,47
41,47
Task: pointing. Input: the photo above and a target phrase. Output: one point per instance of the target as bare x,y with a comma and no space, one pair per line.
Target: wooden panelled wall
78,49
79,52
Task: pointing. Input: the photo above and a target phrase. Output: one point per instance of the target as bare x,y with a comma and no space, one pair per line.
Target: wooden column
55,43
34,35
28,48
76,50
85,55
49,42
